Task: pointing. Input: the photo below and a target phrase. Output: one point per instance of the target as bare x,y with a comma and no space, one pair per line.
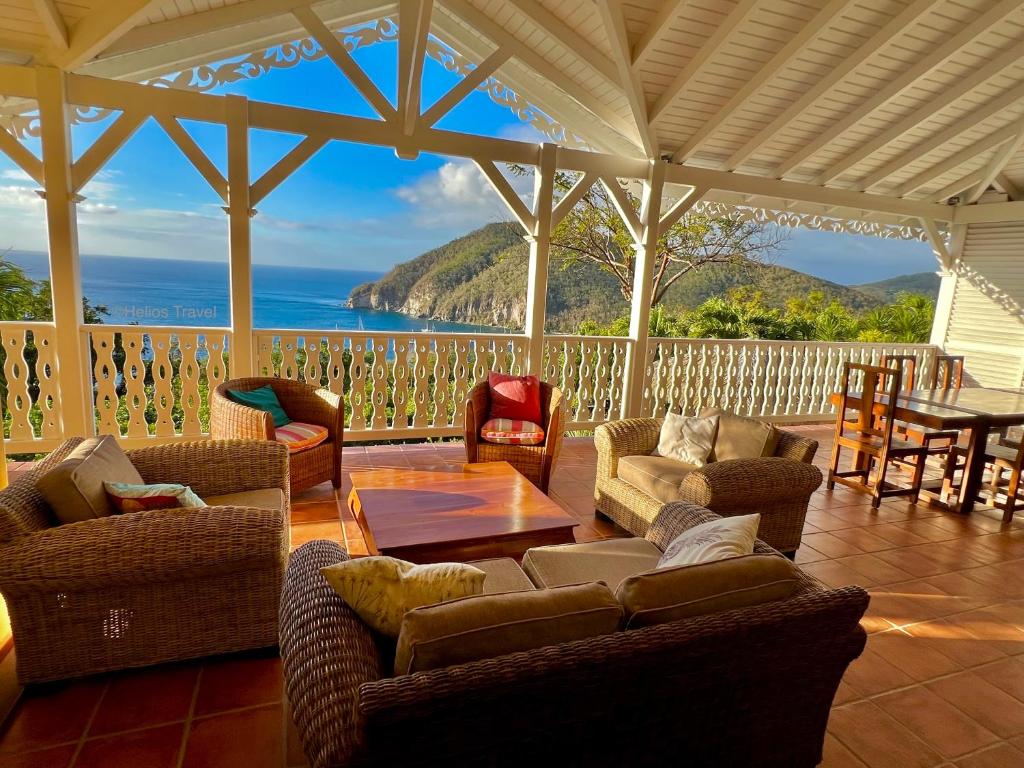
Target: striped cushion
512,432
298,436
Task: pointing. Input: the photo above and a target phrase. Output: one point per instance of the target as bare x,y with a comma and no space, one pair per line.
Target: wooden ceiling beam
920,69
98,29
996,165
52,22
669,11
413,29
990,142
615,28
1011,189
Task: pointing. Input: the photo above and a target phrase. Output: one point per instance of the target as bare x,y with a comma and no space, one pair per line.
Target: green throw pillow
262,399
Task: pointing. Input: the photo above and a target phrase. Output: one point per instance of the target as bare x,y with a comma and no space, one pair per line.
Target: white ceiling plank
921,68
615,28
997,163
470,82
413,28
667,13
337,52
53,22
926,112
1009,187
979,147
958,186
968,122
807,34
98,29
706,52
906,18
567,37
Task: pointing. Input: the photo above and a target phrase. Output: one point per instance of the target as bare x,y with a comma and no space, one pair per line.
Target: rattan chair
302,402
535,462
150,587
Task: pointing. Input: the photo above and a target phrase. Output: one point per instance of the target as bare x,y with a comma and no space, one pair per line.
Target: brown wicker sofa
302,402
745,687
148,587
778,487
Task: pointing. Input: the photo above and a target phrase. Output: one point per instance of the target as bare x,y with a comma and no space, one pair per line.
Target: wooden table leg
974,468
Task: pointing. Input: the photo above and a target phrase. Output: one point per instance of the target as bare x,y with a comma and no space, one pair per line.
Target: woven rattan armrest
795,447
144,547
626,437
314,406
736,482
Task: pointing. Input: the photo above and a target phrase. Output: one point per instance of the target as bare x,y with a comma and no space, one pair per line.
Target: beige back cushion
74,488
689,439
488,626
669,594
741,438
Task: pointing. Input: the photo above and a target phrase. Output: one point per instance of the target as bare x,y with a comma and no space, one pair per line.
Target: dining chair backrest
909,365
874,399
948,372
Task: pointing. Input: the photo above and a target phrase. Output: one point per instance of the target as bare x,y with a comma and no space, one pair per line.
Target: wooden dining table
978,410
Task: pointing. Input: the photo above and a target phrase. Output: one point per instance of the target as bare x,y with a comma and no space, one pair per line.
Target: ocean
195,293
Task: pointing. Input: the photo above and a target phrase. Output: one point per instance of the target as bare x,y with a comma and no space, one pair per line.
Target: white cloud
458,195
104,208
20,198
17,175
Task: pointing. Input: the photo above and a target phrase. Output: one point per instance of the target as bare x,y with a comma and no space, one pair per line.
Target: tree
594,231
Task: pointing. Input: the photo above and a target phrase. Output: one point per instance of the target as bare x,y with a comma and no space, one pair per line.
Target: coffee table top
408,507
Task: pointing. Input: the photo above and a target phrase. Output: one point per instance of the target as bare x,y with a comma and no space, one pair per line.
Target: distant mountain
926,283
480,278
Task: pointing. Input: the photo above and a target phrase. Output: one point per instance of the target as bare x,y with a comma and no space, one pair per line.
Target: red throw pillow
514,397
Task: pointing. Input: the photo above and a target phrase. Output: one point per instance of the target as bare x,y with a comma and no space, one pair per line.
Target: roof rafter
971,152
1012,190
929,110
615,28
667,13
880,39
999,160
907,79
413,28
814,27
97,30
53,22
958,186
711,46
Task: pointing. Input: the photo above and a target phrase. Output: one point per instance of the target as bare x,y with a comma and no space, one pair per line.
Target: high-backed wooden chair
871,434
1005,462
908,364
947,372
937,442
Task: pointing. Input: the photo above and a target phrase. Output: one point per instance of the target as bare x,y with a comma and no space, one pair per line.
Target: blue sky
351,206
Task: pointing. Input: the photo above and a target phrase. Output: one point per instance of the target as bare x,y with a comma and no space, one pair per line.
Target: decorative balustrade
784,380
28,387
590,371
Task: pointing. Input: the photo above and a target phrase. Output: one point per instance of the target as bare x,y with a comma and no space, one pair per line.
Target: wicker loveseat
740,688
302,402
778,487
148,587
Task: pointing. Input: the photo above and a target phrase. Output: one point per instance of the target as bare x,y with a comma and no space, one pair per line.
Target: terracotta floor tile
913,602
871,674
999,756
993,708
322,492
876,569
944,727
304,532
956,642
911,656
1000,625
913,560
252,738
878,740
51,714
1006,674
863,538
835,574
146,697
807,554
53,757
315,512
830,545
835,755
150,748
896,535
237,682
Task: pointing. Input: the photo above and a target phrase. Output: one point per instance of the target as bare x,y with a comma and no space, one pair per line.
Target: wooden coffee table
486,510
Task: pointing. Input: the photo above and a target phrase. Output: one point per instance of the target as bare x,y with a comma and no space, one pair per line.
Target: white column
540,244
643,276
239,238
74,379
947,286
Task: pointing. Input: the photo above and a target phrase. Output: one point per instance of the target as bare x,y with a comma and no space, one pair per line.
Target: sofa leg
602,516
791,554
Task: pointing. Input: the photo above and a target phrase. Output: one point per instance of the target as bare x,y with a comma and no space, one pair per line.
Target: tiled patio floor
940,684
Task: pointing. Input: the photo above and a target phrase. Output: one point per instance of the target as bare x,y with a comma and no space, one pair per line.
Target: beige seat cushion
487,626
610,561
741,438
261,498
74,488
503,575
669,594
657,476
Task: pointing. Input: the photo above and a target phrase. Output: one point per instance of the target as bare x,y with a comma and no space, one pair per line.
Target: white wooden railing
153,384
784,380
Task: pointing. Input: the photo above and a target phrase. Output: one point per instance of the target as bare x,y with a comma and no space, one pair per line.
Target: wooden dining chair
909,365
1004,462
871,436
947,372
938,442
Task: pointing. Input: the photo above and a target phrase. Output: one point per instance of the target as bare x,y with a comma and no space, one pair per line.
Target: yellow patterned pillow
382,589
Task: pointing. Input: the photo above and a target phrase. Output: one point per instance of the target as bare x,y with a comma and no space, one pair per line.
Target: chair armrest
478,405
555,428
328,652
315,406
626,437
675,518
143,548
742,483
216,467
233,421
795,447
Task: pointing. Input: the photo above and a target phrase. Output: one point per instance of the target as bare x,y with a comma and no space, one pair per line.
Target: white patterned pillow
688,439
714,540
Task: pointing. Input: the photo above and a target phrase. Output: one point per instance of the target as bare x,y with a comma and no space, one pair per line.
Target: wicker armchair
147,587
302,402
746,687
778,487
535,462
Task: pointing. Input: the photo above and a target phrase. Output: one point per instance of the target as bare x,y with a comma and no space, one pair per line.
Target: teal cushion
262,399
